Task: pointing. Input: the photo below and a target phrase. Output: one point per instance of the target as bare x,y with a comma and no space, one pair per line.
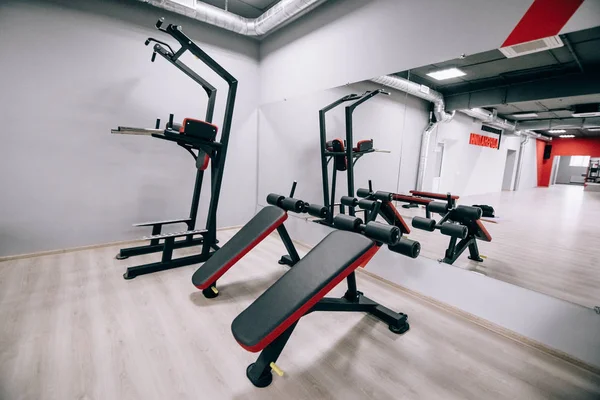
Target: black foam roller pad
348,201
367,204
274,199
407,247
423,223
347,223
383,196
364,193
437,207
291,204
454,230
317,210
468,212
388,234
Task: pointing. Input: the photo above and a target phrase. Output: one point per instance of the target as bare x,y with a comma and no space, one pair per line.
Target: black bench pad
251,234
296,292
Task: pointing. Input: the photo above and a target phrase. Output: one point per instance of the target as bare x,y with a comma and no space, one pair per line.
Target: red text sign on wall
485,141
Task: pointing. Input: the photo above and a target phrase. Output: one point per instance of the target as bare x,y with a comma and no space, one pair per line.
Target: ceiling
547,83
245,8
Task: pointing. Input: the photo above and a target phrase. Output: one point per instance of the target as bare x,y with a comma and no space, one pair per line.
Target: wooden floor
546,239
72,328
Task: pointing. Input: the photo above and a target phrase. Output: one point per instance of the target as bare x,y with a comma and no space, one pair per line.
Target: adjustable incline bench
267,324
255,231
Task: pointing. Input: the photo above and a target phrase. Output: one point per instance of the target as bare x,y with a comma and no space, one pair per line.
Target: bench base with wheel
267,324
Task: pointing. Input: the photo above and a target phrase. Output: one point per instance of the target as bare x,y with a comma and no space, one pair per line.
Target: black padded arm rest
251,234
296,292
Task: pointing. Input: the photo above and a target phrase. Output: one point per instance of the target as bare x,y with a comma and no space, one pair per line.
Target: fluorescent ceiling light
567,136
556,131
594,129
525,115
446,74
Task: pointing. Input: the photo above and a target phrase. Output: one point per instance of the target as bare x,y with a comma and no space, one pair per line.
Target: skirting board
89,247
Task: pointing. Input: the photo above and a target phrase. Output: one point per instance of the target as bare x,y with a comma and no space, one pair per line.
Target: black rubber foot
479,259
120,257
209,294
127,277
262,381
399,330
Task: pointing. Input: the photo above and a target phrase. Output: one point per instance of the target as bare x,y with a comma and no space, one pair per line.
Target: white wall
71,71
528,178
467,169
354,40
289,142
565,171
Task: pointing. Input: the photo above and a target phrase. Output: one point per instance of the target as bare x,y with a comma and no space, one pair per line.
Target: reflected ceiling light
594,129
525,115
556,131
446,74
567,136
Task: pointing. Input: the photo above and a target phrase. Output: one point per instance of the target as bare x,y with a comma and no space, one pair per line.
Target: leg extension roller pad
423,223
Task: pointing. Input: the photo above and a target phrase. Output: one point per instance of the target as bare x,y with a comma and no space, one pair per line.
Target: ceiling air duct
274,18
421,91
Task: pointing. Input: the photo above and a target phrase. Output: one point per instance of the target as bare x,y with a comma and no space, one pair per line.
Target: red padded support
361,262
411,199
483,233
439,196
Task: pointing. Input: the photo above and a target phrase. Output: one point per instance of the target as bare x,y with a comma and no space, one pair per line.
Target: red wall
563,147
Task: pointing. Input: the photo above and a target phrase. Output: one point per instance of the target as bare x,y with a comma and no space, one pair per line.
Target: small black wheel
401,329
209,293
262,381
120,257
476,259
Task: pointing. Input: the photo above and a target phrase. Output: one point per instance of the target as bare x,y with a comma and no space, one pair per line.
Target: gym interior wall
83,70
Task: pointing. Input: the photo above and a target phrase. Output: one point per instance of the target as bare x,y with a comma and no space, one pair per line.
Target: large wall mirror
493,159
519,136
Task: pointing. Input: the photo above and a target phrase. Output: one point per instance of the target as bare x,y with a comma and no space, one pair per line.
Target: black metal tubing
155,247
216,150
323,132
162,265
349,141
292,257
259,373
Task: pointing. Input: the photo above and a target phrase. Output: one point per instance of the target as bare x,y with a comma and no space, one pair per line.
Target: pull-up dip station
199,139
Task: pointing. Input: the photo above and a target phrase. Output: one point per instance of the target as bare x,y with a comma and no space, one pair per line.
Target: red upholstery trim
274,334
199,120
410,199
357,148
486,235
439,196
403,227
205,163
245,251
543,18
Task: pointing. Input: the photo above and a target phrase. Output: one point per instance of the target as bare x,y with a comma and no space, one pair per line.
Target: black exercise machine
198,138
460,222
255,231
267,324
342,152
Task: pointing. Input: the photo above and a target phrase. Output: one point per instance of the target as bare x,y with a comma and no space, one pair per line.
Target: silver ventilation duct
573,123
420,91
274,18
490,118
423,154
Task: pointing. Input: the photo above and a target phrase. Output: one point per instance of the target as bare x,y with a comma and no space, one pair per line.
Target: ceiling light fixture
446,74
556,131
567,136
525,115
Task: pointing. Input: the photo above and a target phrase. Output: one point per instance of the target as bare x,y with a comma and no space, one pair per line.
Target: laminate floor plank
73,328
